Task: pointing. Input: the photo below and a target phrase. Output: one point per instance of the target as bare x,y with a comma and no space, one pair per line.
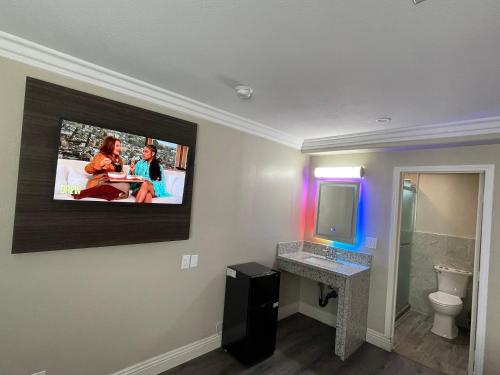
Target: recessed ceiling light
244,92
383,120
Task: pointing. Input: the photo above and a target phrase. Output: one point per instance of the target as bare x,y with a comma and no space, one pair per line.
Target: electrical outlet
218,328
371,242
186,259
41,373
194,261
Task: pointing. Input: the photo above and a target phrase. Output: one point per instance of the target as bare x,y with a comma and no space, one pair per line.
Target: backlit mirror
337,211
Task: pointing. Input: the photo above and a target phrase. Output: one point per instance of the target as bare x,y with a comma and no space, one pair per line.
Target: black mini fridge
250,311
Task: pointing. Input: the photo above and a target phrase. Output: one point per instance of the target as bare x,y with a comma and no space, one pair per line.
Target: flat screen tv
99,164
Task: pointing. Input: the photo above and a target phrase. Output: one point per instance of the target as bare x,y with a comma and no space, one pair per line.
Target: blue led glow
356,246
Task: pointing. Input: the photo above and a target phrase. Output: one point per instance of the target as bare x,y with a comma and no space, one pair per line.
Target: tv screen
105,165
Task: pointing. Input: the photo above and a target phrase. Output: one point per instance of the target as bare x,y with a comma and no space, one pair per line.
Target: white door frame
488,170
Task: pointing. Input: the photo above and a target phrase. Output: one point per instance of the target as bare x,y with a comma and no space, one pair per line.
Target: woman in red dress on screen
106,160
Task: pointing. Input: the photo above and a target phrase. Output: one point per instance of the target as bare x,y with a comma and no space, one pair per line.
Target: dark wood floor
305,346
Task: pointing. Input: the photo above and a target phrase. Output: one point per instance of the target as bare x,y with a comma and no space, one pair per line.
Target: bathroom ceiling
318,68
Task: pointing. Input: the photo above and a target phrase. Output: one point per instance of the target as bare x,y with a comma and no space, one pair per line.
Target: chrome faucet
330,254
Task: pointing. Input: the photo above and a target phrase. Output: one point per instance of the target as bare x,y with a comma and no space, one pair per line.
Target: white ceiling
318,68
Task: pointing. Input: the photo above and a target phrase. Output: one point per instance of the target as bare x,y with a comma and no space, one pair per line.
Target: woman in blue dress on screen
150,169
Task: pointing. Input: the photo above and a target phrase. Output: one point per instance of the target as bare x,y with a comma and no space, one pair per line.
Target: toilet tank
452,280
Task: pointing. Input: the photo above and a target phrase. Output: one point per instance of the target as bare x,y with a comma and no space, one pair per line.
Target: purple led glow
357,245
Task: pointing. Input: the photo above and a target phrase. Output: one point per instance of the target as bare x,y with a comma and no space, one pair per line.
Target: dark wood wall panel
42,223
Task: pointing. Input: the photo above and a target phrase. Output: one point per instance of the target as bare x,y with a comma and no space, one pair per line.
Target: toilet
447,301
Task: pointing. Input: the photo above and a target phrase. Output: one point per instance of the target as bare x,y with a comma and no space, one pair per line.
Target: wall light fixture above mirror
339,172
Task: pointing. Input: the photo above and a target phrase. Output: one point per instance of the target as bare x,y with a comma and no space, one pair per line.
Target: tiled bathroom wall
428,249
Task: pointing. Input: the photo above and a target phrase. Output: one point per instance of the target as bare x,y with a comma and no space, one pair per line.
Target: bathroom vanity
346,271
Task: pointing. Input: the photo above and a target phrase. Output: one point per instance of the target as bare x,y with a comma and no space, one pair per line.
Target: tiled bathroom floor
413,339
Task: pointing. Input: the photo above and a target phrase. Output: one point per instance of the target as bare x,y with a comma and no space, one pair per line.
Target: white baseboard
176,357
287,310
373,337
378,339
317,314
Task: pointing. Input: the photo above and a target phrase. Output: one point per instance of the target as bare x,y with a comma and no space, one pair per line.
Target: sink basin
339,267
320,261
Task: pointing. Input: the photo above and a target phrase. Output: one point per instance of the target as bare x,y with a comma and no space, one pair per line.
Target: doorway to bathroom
441,225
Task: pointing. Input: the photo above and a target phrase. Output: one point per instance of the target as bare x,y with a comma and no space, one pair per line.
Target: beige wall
377,197
96,311
447,204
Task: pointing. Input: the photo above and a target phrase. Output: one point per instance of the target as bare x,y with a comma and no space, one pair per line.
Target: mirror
337,211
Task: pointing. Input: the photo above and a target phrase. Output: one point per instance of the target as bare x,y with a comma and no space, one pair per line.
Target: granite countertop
338,267
345,264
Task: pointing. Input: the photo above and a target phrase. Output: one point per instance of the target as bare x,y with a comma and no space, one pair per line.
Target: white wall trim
27,52
373,337
481,126
176,357
378,339
487,214
316,313
287,310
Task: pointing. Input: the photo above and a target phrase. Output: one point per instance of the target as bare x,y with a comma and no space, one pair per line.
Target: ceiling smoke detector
383,120
244,92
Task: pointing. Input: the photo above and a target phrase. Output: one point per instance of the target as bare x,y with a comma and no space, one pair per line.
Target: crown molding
423,133
27,52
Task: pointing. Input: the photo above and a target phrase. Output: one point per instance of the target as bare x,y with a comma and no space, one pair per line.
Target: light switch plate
186,259
194,261
371,242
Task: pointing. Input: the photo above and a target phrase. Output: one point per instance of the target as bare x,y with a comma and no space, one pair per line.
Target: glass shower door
406,236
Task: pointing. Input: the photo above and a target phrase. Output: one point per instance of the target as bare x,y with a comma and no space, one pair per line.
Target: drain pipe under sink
323,300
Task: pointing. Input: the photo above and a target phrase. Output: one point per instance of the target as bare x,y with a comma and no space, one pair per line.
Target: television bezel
42,223
122,131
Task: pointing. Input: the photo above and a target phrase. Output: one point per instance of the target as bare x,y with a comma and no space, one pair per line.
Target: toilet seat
445,299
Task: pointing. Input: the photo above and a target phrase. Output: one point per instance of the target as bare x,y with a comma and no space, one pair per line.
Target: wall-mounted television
95,172
101,164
